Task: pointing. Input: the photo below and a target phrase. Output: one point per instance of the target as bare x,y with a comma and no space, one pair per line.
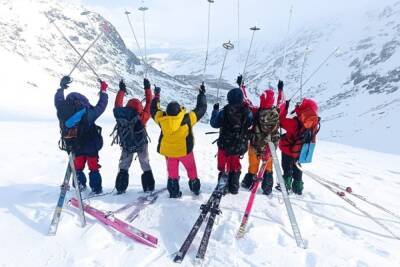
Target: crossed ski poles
81,56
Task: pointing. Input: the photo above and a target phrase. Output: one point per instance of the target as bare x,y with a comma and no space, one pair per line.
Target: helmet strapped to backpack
234,134
129,131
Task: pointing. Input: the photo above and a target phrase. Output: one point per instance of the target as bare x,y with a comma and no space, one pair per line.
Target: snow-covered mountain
358,88
34,57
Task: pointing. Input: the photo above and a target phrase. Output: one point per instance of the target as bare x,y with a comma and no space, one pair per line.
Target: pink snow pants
188,162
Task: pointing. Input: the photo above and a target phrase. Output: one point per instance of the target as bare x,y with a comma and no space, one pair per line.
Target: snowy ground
32,168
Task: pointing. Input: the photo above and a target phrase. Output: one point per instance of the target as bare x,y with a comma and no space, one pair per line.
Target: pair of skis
212,208
64,189
334,187
292,218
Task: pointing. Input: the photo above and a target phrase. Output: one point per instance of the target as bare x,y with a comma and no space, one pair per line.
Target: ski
242,228
77,189
120,226
343,196
293,222
349,190
57,212
205,208
143,202
214,211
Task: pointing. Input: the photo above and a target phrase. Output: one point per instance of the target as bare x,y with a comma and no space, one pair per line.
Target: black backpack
234,133
266,123
74,127
129,131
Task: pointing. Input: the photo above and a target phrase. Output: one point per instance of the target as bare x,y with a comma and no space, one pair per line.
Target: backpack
129,131
74,127
234,134
265,129
309,124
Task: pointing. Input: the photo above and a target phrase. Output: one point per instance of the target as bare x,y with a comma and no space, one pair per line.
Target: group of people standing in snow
244,127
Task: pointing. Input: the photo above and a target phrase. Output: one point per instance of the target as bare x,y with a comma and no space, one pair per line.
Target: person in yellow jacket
176,139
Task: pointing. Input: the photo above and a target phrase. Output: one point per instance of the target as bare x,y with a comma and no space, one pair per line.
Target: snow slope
337,235
357,89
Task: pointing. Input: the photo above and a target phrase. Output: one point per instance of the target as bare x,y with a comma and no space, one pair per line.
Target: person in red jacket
134,106
291,142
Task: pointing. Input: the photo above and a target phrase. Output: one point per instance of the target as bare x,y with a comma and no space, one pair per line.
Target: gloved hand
202,89
216,106
103,86
65,81
157,90
146,83
122,86
280,85
239,80
287,103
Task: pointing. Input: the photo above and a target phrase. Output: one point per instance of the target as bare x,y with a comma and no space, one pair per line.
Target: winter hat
235,96
173,108
267,99
80,100
135,104
307,103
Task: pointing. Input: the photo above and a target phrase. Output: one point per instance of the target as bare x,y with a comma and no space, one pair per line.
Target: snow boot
81,177
226,187
194,186
247,181
173,188
267,183
95,182
122,181
288,182
233,182
148,181
297,187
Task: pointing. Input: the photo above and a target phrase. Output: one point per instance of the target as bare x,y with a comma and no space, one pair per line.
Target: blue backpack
129,131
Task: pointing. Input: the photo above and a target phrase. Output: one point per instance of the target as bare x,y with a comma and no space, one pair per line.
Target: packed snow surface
32,169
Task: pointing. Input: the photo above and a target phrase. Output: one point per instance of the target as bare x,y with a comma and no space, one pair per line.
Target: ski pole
208,37
143,9
303,66
285,49
238,34
134,36
316,70
254,29
73,47
228,46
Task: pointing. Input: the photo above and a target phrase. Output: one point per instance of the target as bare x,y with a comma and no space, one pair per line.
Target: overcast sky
183,23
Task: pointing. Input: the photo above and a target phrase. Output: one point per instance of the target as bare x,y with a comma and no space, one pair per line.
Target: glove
122,86
65,81
287,103
216,106
280,85
202,89
157,90
146,84
239,80
103,86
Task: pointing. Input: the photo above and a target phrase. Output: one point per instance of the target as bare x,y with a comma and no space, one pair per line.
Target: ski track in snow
336,234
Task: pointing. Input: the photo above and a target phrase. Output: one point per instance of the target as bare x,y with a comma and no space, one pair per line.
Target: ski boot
148,181
233,182
247,181
173,188
267,183
81,177
122,181
95,182
297,187
194,186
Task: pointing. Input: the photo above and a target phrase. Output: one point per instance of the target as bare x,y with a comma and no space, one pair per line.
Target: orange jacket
136,104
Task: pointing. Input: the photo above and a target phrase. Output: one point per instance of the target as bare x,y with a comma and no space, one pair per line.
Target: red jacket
136,104
290,143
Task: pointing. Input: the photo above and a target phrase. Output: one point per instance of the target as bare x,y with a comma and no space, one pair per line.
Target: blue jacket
93,146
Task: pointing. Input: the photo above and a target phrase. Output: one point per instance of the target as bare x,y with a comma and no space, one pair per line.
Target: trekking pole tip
143,8
228,45
127,12
255,28
211,1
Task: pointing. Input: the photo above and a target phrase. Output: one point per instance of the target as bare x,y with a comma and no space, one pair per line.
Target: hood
235,96
136,104
170,124
267,99
306,104
79,100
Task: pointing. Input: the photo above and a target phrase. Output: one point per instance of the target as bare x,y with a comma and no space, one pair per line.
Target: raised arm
149,96
59,96
201,105
94,113
119,99
155,103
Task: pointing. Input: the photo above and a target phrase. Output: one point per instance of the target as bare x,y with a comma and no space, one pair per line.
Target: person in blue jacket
80,134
